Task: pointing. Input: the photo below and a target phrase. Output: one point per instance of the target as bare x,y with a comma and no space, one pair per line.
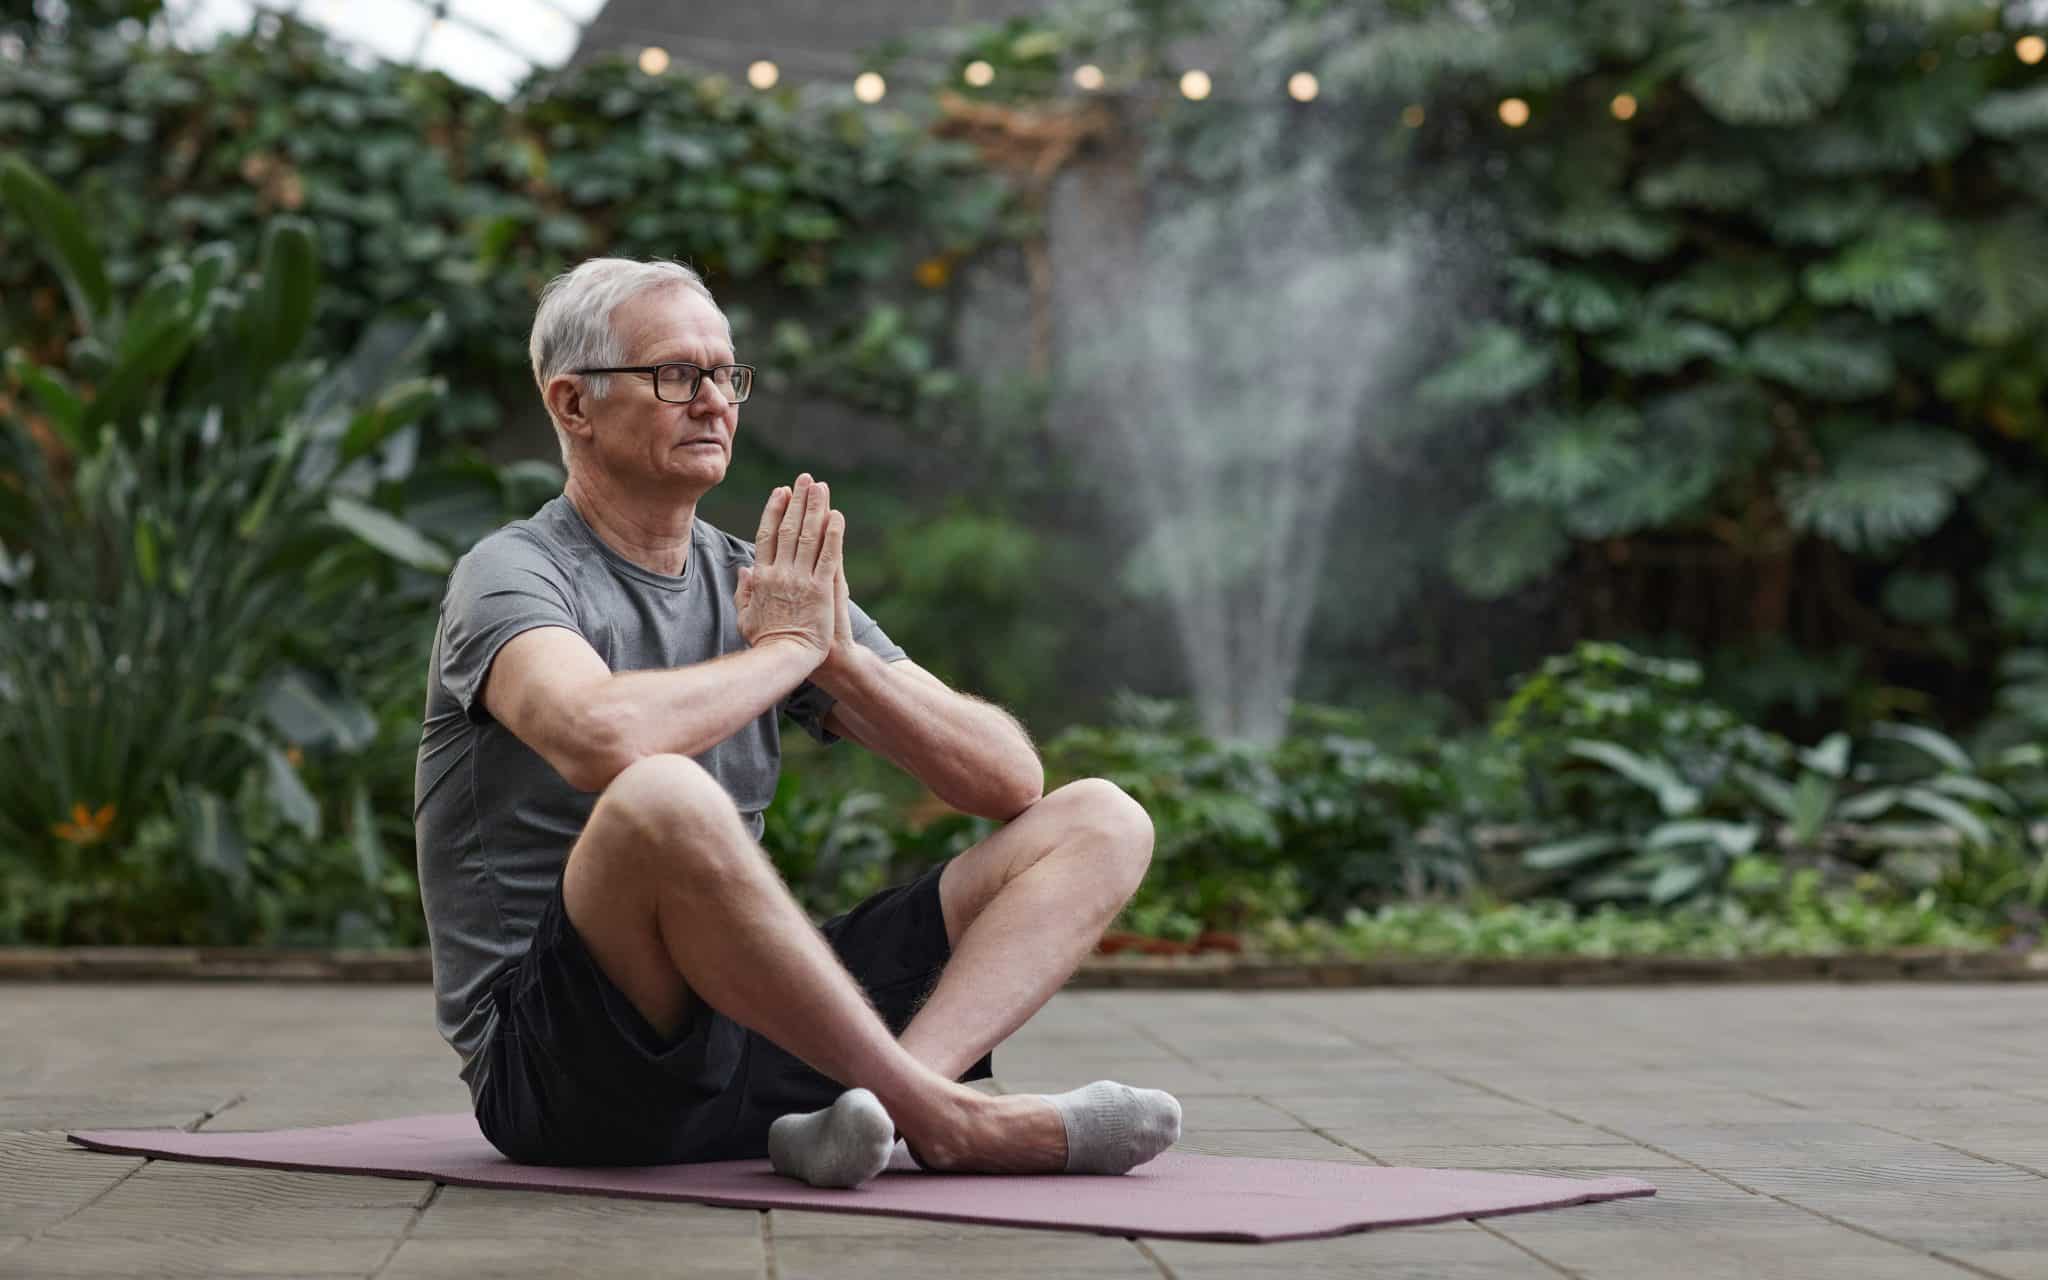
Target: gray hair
572,326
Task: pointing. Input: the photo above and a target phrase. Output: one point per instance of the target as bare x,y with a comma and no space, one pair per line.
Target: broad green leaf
1697,182
1951,813
1969,787
2013,114
60,404
1871,804
1674,795
1602,225
362,824
282,308
1674,882
295,804
1884,487
1659,344
214,836
1497,364
1996,285
1776,795
62,232
1560,458
1768,65
1498,548
1831,757
1822,365
1733,838
1567,853
309,718
1939,746
389,534
1895,271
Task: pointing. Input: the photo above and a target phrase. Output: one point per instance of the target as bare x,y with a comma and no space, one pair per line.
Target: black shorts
577,1076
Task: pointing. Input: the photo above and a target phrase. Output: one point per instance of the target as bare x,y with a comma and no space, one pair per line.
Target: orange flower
933,273
85,827
295,757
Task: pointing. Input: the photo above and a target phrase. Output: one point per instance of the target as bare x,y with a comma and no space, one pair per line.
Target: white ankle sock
1113,1128
841,1146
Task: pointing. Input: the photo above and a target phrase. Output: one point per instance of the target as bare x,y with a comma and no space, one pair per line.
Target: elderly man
622,972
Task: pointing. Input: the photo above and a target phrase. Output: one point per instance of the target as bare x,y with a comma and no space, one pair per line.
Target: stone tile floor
1799,1131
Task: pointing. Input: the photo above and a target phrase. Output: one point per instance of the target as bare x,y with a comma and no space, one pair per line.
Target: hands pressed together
796,588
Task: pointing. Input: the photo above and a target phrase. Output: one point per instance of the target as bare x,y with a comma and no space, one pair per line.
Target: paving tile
1449,1251
1590,1155
2012,1264
474,1212
464,1258
43,1178
1286,1144
176,1259
1032,1256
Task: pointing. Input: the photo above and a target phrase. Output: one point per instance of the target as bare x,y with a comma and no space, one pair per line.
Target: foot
1104,1127
843,1145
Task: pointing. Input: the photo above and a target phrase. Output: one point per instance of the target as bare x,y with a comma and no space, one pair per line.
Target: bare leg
1014,956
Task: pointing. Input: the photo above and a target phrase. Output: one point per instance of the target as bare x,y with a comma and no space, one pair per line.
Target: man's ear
566,403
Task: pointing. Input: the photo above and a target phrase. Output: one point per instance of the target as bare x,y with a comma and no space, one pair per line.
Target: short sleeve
504,587
807,703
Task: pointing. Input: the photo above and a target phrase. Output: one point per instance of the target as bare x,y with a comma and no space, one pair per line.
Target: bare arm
972,754
554,691
549,687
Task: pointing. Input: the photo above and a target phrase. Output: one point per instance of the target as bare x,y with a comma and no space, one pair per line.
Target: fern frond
1882,486
1691,439
1758,65
1408,57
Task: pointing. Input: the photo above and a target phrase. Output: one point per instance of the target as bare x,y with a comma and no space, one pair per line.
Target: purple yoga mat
1180,1195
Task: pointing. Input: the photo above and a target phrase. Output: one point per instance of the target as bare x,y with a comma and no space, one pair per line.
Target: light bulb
1194,85
763,74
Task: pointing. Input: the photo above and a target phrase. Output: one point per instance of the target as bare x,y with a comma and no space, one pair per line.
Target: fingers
817,513
831,550
771,521
791,525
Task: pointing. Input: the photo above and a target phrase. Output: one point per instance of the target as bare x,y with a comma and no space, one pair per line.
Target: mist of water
1232,361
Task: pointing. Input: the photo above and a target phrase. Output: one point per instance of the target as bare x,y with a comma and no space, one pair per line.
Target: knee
670,806
1122,828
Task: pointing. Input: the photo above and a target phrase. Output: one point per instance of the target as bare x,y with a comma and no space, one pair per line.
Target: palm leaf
1606,225
1570,298
1498,548
1997,282
1562,457
1700,183
1758,65
1497,364
1824,365
1883,487
2015,114
1660,344
1896,270
1733,293
1826,217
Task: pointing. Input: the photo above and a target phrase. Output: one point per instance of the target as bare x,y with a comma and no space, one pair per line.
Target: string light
1302,86
2031,49
1514,113
654,60
978,73
1194,85
1412,115
763,74
1623,106
1088,76
869,87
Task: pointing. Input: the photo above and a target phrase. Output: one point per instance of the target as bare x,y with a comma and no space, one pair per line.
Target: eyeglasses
679,382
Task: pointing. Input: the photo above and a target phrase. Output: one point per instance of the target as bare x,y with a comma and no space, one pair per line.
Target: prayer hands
795,589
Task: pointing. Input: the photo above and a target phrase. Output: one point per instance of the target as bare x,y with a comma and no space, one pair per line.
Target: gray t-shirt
494,821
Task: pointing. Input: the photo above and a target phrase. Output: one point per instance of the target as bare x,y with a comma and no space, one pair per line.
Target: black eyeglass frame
696,384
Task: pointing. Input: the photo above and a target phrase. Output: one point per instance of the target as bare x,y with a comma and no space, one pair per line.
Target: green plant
201,560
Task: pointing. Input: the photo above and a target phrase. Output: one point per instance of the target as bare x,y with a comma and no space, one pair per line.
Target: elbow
597,748
1028,789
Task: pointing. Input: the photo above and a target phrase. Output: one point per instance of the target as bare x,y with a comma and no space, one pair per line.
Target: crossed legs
676,903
